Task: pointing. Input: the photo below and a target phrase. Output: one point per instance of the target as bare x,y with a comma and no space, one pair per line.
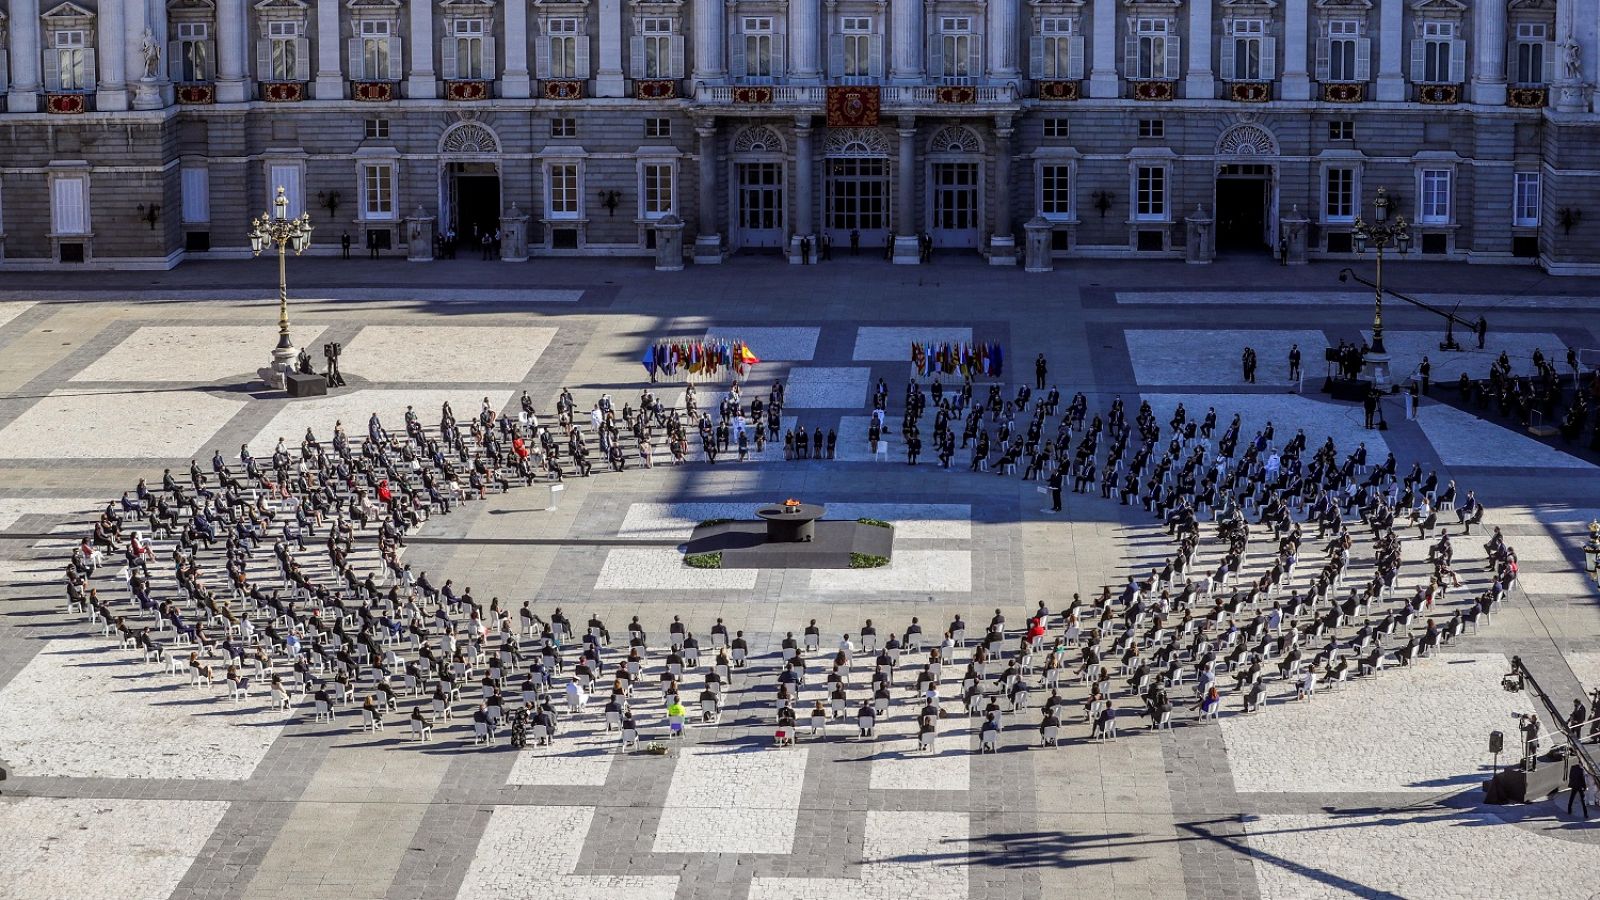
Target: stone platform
744,545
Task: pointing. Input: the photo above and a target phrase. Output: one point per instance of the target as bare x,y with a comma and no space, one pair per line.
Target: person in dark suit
1055,490
1578,781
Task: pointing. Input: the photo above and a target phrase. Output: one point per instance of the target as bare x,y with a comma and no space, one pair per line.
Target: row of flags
985,358
707,358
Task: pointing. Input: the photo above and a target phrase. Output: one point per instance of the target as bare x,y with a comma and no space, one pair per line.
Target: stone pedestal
1037,251
1375,368
907,252
796,258
669,244
147,94
1003,250
707,249
1293,233
419,236
514,235
1571,96
275,374
1199,243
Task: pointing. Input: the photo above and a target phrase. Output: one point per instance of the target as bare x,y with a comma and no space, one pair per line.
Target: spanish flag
745,356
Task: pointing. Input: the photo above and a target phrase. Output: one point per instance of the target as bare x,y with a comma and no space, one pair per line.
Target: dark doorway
474,200
1242,213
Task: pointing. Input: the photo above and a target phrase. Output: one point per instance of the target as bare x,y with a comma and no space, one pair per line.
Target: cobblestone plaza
126,780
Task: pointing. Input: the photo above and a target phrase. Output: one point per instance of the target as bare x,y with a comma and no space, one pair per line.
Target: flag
650,361
749,358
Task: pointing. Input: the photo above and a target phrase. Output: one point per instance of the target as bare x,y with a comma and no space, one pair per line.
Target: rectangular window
1434,207
377,191
656,38
564,127
1058,56
1151,202
1245,48
958,50
758,47
1153,50
1532,60
658,127
288,178
468,43
1525,199
195,186
562,191
856,34
1345,51
1433,58
1341,195
1055,191
69,209
564,38
194,51
656,189
1341,130
372,51
1152,128
1055,127
377,128
284,63
71,54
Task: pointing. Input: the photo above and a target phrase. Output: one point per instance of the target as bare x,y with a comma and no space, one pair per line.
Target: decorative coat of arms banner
852,107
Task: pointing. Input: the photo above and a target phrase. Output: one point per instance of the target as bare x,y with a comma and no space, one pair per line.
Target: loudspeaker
306,385
1497,742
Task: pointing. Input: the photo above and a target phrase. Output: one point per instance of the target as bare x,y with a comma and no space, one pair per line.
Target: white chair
1049,736
370,722
1165,721
868,725
280,697
238,688
324,712
441,709
480,733
421,731
630,738
540,734
987,741
926,741
613,720
710,711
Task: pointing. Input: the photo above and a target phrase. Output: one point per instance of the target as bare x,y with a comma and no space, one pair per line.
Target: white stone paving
31,571
677,521
1415,729
1287,412
1406,348
771,343
10,310
353,408
532,851
1451,854
14,508
897,764
663,569
1586,666
1568,521
1354,298
942,571
827,387
88,424
904,856
580,754
892,344
732,799
66,848
1570,582
1463,439
193,354
445,353
82,708
1213,357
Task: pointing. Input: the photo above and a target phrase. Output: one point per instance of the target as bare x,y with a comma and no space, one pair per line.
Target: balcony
195,93
1439,94
1249,91
1344,91
283,91
893,95
1528,97
372,91
67,103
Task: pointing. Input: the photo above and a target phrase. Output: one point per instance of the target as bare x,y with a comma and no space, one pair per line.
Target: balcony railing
816,94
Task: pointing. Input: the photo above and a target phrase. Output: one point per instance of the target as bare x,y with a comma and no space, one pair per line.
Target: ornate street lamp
1379,234
270,229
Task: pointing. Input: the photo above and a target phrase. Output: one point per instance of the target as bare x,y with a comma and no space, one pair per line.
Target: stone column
24,56
514,83
802,190
708,240
710,48
1200,83
1038,249
1489,54
1391,61
1003,40
908,36
906,251
134,22
805,41
231,77
421,85
1003,244
1296,83
608,80
1103,82
110,48
330,49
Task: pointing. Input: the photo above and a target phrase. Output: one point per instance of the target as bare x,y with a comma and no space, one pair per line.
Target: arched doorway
758,180
857,174
469,182
1246,189
955,188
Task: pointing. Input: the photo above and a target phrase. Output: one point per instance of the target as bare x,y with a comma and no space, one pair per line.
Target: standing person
825,244
1294,362
1482,328
855,242
805,251
1055,489
1248,361
1579,782
1370,404
1425,370
344,244
1039,370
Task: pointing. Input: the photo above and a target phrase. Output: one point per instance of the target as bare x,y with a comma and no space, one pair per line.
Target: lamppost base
275,374
1376,369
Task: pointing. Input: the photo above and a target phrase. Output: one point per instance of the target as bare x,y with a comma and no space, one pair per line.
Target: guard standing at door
855,242
827,246
344,244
